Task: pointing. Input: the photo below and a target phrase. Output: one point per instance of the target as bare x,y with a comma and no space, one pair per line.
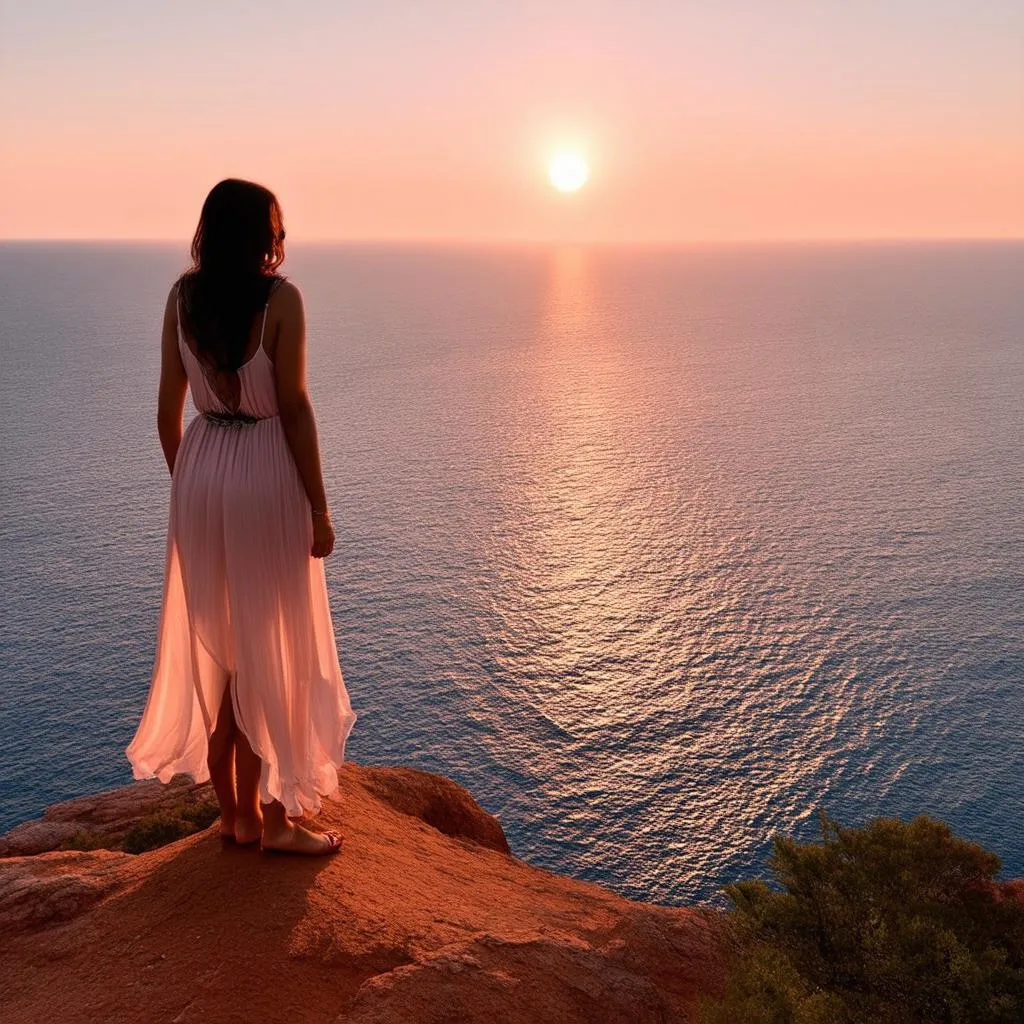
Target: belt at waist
232,419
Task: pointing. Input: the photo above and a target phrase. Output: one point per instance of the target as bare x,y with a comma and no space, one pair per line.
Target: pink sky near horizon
744,121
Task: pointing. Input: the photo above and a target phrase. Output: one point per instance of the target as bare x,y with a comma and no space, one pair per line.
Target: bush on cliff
165,827
896,922
150,831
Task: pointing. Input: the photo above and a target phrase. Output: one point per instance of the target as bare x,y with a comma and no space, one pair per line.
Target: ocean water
655,552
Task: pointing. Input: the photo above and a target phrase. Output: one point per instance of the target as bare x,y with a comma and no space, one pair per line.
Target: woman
246,689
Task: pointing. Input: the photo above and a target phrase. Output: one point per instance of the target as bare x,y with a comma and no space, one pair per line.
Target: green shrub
895,923
84,841
165,827
201,815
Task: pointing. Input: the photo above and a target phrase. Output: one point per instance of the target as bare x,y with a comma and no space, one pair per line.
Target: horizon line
510,243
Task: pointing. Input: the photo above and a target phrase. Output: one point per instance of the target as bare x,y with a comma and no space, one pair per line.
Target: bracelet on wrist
320,512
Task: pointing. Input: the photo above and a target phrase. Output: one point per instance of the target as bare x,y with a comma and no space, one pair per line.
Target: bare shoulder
288,296
171,306
288,317
288,313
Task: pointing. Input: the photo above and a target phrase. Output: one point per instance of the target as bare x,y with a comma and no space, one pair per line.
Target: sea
658,552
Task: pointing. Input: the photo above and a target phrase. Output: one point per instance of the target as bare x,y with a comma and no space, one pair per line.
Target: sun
568,171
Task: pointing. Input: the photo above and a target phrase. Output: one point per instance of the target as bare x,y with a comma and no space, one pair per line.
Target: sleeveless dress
244,603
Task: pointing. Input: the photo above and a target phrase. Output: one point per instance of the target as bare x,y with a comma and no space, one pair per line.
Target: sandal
334,840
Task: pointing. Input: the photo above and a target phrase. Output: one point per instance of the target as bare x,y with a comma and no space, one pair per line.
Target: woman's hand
323,535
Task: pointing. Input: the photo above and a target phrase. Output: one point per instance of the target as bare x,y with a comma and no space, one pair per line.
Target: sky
419,120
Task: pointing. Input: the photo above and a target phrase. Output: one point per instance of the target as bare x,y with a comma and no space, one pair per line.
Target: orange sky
433,121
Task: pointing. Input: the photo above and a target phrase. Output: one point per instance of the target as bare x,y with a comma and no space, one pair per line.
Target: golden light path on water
621,610
654,552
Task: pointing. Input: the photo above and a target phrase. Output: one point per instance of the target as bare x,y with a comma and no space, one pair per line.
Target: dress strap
177,312
263,328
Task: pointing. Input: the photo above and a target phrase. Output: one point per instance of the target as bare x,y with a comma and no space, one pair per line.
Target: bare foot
227,826
296,839
247,829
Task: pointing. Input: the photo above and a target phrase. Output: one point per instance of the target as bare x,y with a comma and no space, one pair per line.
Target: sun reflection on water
570,549
633,604
655,553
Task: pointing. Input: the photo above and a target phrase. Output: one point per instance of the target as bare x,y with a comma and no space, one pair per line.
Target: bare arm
296,411
173,384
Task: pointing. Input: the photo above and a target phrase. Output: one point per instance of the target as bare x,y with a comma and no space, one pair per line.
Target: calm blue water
656,553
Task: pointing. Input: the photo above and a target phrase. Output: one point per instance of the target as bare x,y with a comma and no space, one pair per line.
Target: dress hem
295,807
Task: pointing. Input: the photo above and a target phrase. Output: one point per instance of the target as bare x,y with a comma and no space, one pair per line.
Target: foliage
165,827
85,841
895,923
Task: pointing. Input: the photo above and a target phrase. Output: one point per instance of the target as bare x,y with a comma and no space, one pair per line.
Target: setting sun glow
568,171
610,123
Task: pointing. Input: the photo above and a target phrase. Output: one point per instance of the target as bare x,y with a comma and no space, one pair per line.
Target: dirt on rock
424,917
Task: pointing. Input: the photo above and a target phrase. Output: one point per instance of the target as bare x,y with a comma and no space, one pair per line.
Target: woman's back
250,390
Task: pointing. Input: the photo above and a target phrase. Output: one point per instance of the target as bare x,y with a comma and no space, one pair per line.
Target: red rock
407,924
104,816
437,800
54,887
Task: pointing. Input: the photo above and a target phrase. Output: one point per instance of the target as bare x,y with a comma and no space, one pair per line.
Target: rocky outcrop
435,799
103,818
39,891
423,917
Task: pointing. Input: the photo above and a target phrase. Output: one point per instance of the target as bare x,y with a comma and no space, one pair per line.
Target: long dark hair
236,250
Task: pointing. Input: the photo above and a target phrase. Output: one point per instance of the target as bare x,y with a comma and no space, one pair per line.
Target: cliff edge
425,917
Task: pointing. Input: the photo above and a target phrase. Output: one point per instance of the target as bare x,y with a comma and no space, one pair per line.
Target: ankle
274,818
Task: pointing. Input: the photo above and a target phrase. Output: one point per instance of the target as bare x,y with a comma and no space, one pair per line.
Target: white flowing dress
244,604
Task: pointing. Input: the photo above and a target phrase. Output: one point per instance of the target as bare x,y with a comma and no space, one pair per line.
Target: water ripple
656,553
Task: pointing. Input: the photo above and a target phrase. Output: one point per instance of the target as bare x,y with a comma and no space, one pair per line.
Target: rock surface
104,817
423,917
